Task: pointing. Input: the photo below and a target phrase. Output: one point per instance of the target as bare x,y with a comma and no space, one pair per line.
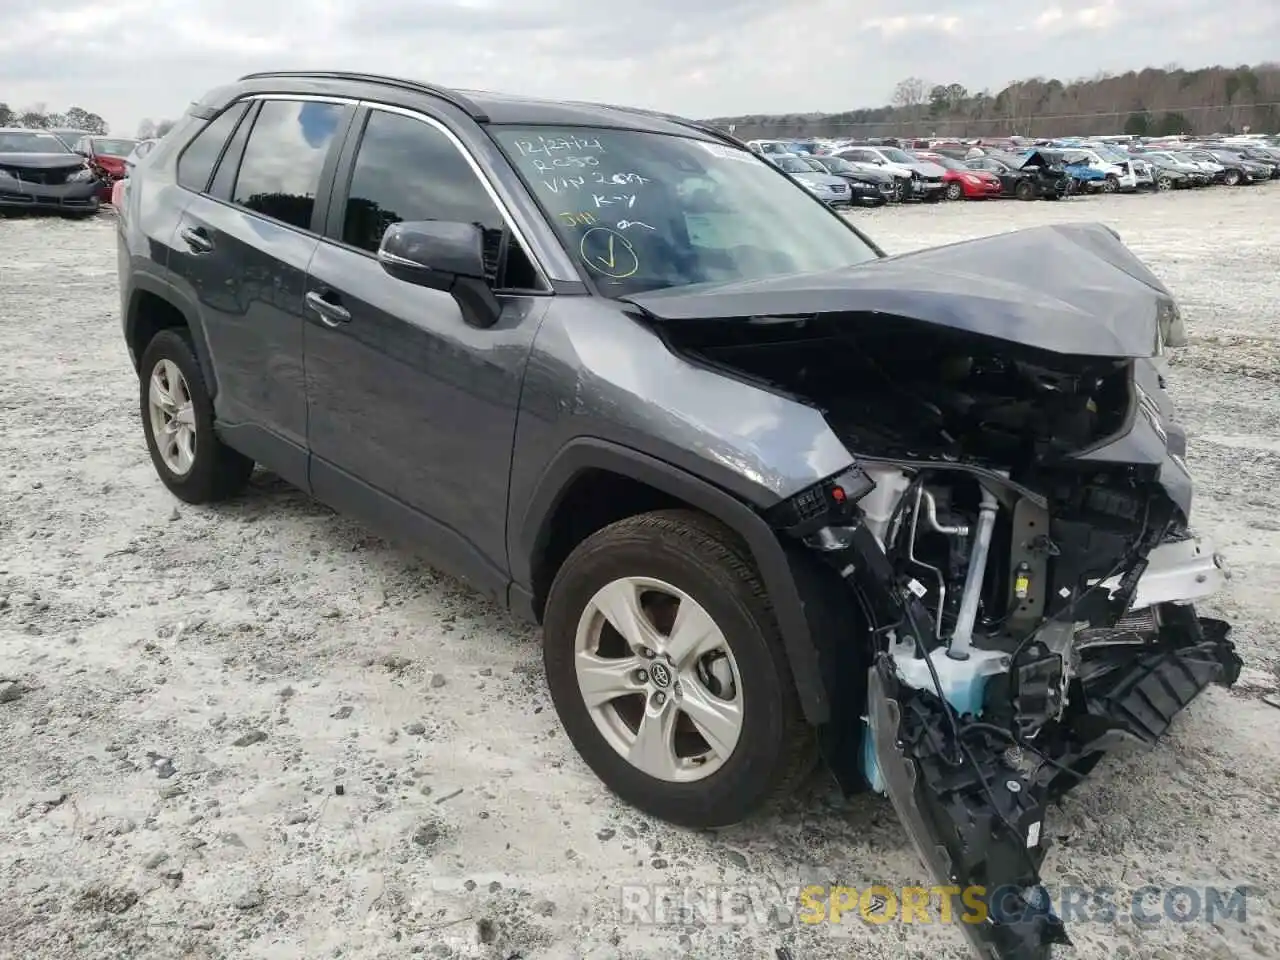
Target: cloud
149,58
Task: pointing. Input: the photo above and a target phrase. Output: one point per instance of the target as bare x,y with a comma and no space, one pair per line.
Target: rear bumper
80,197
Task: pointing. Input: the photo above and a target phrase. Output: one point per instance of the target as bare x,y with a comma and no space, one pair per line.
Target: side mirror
443,256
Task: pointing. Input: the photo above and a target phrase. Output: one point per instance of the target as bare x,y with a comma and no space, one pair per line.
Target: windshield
837,165
894,155
646,211
1076,156
814,165
113,148
944,161
31,141
792,165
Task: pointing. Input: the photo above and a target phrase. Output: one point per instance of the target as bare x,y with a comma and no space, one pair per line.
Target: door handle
197,239
331,314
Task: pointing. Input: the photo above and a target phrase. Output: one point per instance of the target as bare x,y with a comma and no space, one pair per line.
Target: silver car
824,186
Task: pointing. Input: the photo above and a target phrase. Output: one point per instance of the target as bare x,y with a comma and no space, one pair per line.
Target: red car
961,181
106,154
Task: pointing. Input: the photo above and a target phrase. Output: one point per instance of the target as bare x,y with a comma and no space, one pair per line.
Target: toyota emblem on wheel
660,675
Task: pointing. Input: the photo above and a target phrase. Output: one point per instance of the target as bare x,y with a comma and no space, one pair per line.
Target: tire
1111,184
901,191
1164,183
774,748
955,191
1025,190
1232,178
214,471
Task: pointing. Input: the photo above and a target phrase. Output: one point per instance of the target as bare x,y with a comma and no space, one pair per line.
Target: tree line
37,117
1154,101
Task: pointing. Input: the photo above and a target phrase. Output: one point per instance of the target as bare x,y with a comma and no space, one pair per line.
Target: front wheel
1164,183
954,191
667,669
901,190
1232,178
1025,190
177,418
1111,184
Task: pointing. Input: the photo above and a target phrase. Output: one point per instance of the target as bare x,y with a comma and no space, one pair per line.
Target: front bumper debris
974,809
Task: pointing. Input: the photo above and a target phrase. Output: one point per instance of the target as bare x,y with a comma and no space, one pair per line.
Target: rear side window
196,164
280,173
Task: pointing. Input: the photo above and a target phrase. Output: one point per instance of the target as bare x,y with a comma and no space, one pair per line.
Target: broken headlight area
1016,536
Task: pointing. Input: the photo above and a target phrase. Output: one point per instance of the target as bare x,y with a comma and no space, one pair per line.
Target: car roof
483,106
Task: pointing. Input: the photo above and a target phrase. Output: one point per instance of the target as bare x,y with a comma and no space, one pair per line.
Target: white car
1138,172
925,178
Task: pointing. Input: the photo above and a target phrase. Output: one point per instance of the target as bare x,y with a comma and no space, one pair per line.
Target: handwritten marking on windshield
551,164
609,253
594,177
625,224
601,201
564,183
550,145
583,219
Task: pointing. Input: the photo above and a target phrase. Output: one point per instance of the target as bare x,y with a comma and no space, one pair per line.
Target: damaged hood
1067,288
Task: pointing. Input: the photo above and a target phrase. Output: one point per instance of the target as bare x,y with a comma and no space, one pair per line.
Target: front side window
406,169
646,211
196,164
280,172
893,155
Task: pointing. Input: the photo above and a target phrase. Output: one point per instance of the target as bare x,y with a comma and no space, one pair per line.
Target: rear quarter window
195,165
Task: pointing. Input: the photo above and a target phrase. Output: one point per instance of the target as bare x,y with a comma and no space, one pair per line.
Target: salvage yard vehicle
39,172
771,493
961,182
813,177
107,156
867,185
1035,176
917,179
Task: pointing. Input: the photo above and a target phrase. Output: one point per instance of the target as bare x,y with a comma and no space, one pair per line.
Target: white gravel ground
189,688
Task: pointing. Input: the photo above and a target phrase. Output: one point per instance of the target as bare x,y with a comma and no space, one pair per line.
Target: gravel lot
191,687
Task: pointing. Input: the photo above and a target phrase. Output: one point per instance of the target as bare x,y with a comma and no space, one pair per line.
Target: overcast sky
129,59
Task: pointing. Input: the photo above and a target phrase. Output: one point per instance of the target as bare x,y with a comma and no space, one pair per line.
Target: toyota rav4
772,494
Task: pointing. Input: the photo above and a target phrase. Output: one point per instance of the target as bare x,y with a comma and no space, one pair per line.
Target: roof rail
444,93
680,121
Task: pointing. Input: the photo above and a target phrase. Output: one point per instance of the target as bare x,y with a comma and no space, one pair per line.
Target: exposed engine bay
1015,534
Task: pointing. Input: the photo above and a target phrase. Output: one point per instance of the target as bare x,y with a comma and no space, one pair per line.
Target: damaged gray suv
773,495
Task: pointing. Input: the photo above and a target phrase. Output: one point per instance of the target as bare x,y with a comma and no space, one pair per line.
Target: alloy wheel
173,422
659,679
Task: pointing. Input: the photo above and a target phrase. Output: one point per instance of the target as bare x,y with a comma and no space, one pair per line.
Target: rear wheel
667,670
1232,178
177,418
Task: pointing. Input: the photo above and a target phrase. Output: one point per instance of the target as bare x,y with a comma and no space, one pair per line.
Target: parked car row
883,172
64,171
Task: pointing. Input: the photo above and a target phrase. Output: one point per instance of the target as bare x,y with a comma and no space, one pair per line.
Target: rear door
412,410
243,246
